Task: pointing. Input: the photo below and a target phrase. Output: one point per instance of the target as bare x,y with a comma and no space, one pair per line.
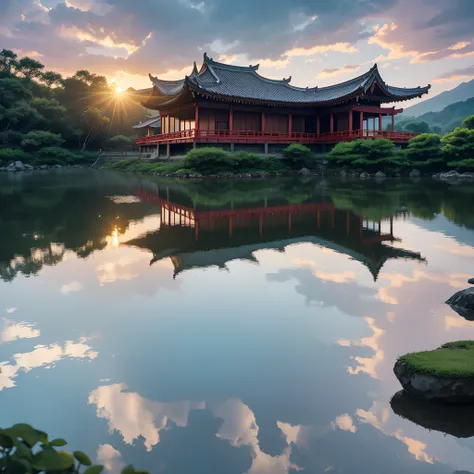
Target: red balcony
255,137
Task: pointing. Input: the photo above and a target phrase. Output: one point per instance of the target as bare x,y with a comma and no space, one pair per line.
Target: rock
380,174
19,166
450,390
304,171
364,175
58,166
463,303
471,281
467,176
435,176
43,167
415,174
29,167
449,175
449,419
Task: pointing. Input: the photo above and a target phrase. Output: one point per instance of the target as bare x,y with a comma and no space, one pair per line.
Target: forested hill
450,117
43,113
439,102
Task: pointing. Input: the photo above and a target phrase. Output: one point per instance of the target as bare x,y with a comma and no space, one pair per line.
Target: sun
118,90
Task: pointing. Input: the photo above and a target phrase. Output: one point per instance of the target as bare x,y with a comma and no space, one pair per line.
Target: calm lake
223,327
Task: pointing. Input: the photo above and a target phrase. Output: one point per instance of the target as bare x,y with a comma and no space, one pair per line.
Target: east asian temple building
235,107
194,235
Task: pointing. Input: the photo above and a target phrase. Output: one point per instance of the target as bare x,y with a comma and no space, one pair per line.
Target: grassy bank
49,156
214,161
454,359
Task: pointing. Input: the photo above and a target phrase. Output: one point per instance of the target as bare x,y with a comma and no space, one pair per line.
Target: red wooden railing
253,136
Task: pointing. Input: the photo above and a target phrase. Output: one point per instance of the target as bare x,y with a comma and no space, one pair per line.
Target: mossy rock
445,374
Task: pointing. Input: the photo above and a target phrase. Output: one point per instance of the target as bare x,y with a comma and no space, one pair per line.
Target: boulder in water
463,302
414,174
471,281
304,171
364,175
444,375
380,174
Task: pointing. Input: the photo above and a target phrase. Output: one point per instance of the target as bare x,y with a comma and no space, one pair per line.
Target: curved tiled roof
241,82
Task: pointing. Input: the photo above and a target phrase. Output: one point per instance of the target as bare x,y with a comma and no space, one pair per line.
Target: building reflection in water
199,236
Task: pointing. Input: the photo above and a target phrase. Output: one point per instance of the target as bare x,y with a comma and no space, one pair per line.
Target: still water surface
220,327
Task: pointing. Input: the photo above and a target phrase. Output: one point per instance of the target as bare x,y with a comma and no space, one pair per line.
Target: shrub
209,161
12,154
424,147
463,165
26,450
39,139
365,149
297,156
247,161
458,145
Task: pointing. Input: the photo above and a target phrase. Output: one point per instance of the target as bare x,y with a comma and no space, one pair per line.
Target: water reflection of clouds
13,330
43,356
134,416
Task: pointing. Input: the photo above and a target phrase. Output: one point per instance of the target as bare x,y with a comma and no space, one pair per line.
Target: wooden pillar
380,122
290,123
266,148
393,120
318,125
361,118
196,116
263,122
350,119
168,150
231,120
331,122
391,226
148,131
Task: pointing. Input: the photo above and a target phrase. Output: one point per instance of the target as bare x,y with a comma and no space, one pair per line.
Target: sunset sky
317,42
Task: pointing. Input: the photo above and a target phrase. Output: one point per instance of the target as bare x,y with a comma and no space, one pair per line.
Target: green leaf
51,460
58,442
128,469
22,450
26,432
94,470
5,440
82,458
19,466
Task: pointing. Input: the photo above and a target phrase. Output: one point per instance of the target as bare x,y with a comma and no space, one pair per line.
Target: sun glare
118,90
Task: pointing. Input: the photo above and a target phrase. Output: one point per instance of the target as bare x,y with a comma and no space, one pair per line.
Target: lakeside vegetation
24,449
46,119
454,359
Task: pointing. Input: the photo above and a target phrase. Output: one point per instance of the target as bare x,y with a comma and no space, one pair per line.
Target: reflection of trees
70,210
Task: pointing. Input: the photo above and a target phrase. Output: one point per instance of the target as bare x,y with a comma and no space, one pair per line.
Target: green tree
458,145
419,126
38,139
29,68
297,156
424,147
468,122
8,61
51,78
121,142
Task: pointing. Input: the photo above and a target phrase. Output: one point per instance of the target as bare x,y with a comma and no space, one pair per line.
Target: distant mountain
450,117
439,102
